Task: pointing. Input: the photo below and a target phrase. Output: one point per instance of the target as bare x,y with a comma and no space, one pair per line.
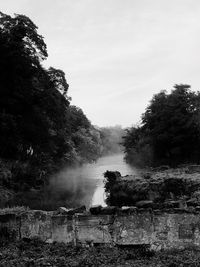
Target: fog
73,187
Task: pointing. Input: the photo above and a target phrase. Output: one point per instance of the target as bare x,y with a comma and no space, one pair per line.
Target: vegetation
37,253
169,132
156,190
39,130
111,138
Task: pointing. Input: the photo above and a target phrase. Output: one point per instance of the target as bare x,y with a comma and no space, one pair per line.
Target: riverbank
156,189
70,187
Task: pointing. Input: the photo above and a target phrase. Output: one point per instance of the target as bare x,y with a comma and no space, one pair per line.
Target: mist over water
84,185
111,163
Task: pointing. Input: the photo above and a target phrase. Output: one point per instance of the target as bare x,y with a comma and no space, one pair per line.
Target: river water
83,185
96,171
73,187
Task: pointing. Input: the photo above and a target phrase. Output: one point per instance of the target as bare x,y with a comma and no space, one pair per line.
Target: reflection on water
111,163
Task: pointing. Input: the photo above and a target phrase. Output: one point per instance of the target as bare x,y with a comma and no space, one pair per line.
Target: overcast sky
117,53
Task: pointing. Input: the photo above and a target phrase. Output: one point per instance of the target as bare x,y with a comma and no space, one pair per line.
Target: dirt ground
36,253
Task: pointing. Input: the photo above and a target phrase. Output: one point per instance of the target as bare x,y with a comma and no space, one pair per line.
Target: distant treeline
40,132
111,139
169,132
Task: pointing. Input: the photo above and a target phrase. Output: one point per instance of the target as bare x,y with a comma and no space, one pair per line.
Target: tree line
40,131
169,132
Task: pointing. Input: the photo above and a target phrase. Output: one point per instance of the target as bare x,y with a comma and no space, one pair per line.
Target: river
96,170
73,187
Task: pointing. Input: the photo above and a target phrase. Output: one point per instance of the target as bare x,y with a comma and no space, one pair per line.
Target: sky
117,54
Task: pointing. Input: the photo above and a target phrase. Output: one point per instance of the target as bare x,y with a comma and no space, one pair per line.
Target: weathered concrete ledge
158,229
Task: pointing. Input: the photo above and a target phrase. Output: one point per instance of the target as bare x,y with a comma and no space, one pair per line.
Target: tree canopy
170,129
39,130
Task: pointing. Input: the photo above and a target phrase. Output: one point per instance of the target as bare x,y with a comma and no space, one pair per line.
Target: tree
38,127
86,139
31,107
111,139
170,127
57,77
23,34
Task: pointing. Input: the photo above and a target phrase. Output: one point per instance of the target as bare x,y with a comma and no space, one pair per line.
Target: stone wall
156,229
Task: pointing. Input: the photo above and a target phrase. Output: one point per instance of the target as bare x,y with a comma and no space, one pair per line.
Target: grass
36,253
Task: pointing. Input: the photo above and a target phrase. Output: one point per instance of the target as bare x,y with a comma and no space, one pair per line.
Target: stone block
63,229
91,229
36,223
9,227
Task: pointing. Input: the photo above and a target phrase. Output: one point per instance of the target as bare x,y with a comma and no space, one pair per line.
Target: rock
62,210
94,210
81,209
144,204
65,211
125,208
112,176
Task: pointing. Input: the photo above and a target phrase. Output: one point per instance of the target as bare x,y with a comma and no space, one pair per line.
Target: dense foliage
169,132
39,130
